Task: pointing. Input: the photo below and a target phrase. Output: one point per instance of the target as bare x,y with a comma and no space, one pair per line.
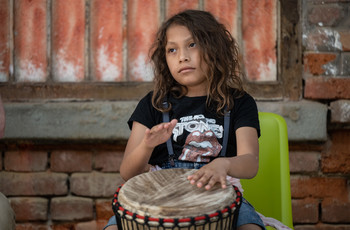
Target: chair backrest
269,191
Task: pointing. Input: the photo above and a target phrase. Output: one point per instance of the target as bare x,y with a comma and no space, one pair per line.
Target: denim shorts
247,213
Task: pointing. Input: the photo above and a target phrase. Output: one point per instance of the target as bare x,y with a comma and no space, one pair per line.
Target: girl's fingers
160,133
214,180
210,183
223,182
206,179
194,177
169,126
199,178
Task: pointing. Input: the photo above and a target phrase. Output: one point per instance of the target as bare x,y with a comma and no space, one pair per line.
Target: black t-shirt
198,134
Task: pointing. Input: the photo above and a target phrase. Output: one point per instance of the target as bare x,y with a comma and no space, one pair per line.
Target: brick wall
70,75
49,188
320,171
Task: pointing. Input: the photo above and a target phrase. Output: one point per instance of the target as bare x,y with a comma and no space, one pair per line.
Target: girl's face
183,57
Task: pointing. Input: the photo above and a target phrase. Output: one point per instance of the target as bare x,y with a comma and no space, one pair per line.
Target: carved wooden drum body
166,200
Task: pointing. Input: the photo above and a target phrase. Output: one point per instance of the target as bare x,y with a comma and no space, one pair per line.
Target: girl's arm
140,146
244,165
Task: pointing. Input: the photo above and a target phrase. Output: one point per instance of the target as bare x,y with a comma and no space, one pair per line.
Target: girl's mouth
186,69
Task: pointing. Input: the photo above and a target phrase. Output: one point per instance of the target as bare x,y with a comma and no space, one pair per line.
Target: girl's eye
192,44
171,50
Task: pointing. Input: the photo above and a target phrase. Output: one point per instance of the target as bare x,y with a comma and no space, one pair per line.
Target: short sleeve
246,113
145,113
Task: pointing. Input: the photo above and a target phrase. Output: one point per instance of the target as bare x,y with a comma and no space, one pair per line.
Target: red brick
5,41
30,208
107,40
108,161
95,184
141,34
259,26
103,209
325,15
327,88
92,225
345,40
71,161
30,40
304,162
318,187
337,158
25,161
226,12
321,226
65,226
316,63
68,40
305,211
32,226
335,211
31,184
174,6
71,208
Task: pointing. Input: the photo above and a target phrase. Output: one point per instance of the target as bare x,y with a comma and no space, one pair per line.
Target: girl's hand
159,134
210,174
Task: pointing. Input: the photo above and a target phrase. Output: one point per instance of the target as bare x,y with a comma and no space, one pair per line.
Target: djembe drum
166,200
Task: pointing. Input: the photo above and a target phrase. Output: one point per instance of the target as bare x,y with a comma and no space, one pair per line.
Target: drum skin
167,194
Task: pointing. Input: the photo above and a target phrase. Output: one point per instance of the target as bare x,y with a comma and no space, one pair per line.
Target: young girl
197,83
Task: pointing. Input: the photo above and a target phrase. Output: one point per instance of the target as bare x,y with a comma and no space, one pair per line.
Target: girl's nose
184,56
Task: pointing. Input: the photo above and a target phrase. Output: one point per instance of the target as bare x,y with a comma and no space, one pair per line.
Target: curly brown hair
219,51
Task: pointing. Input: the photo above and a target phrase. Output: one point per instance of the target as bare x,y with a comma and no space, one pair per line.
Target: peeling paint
175,6
326,37
11,69
100,33
333,34
140,34
107,66
259,27
27,71
64,70
345,108
330,69
140,68
226,12
267,72
30,41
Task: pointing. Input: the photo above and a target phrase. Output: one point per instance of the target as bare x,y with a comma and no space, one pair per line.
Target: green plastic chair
269,191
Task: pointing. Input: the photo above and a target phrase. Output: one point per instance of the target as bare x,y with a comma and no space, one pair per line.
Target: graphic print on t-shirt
202,142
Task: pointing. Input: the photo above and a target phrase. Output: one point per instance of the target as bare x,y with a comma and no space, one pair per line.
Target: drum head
168,194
